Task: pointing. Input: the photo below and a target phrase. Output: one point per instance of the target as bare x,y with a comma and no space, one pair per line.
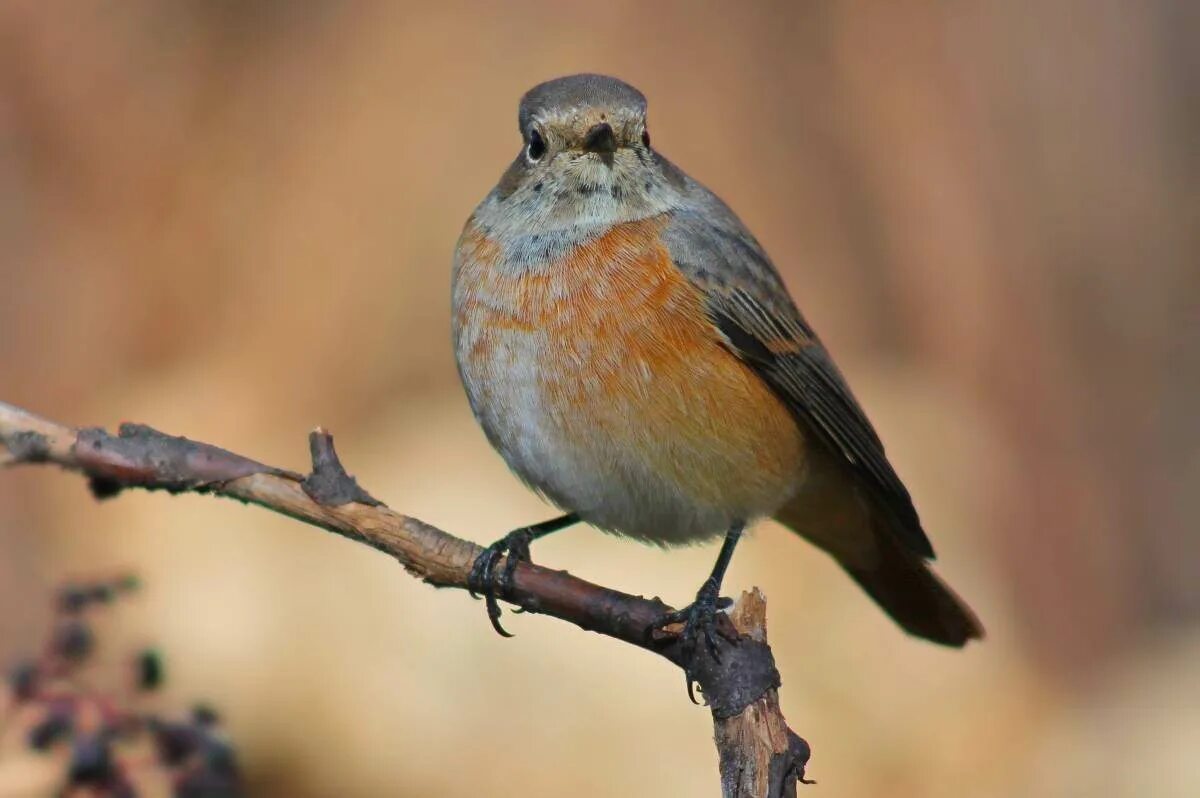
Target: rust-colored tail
898,578
908,590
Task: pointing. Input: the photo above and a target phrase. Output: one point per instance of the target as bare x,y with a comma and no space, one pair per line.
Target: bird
631,351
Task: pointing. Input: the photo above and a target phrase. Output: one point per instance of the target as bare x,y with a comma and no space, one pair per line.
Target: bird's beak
600,140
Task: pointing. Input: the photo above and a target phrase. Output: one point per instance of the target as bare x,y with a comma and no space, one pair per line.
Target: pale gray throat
557,208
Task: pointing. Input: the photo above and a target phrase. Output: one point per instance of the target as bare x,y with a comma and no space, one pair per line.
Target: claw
493,611
484,579
699,621
479,573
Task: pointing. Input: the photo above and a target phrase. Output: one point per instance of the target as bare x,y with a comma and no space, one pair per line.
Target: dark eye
537,145
645,138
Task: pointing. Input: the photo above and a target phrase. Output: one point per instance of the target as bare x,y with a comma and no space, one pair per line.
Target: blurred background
234,221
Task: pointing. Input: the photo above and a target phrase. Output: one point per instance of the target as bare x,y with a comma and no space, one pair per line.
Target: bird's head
586,155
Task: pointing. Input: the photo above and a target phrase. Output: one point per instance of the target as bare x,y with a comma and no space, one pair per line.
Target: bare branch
759,755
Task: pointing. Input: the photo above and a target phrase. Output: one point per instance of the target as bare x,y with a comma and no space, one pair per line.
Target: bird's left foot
487,579
700,622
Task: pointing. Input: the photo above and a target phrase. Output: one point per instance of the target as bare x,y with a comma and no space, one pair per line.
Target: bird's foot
488,579
700,623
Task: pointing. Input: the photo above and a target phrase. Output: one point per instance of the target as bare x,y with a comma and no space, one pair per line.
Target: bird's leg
484,577
699,618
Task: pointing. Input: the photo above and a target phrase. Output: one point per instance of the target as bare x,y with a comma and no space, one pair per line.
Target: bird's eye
645,138
537,145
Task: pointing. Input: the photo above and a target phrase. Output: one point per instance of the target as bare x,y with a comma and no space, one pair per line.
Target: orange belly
601,379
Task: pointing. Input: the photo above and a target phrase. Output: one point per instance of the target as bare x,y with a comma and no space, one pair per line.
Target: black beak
600,139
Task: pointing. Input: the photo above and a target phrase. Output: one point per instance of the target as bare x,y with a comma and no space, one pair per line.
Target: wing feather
753,313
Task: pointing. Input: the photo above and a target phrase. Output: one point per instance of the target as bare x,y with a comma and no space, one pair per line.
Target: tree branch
760,757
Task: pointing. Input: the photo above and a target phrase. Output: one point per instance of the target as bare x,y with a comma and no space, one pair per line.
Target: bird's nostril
600,139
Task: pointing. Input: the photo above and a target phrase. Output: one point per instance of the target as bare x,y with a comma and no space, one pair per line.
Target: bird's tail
908,590
899,580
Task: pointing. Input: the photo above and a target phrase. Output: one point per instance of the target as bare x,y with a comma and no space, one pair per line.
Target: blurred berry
204,715
102,593
92,762
54,727
128,583
174,742
150,670
73,640
72,598
23,681
213,775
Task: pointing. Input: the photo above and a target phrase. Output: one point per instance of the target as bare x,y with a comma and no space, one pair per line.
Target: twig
759,756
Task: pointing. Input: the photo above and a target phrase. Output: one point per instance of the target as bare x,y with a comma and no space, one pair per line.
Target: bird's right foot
487,579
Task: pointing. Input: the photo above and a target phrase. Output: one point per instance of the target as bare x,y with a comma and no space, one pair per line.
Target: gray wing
753,312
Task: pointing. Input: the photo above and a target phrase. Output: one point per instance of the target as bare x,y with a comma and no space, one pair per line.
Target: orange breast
630,366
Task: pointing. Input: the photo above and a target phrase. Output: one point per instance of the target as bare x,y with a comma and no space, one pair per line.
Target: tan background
234,221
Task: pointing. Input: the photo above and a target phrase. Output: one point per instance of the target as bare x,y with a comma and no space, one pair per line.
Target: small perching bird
632,353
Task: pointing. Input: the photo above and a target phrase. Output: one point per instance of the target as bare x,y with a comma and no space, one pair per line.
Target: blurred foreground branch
73,698
760,756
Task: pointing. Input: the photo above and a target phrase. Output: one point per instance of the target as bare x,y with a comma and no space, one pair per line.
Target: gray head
586,157
568,99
